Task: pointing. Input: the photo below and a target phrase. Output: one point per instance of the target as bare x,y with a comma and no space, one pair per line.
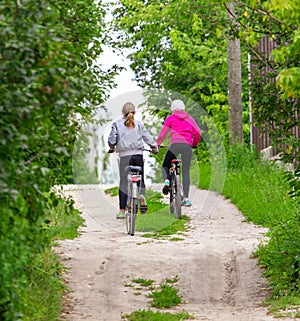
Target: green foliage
61,218
275,80
48,86
183,47
42,288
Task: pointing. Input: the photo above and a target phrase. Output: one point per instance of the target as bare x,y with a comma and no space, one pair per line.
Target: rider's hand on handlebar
111,149
154,150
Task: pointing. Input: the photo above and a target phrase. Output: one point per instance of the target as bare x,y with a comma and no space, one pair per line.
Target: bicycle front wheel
177,200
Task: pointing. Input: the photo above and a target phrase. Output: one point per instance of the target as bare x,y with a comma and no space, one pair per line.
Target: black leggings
186,155
136,160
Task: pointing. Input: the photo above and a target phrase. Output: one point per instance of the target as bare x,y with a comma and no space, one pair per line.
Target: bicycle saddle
133,168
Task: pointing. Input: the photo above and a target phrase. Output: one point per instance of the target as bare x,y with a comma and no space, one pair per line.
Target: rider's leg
138,160
186,154
123,186
166,170
167,163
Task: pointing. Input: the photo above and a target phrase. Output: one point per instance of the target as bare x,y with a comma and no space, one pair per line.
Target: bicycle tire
133,215
128,210
178,197
172,194
128,219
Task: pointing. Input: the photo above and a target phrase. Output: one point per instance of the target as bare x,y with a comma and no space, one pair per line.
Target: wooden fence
258,136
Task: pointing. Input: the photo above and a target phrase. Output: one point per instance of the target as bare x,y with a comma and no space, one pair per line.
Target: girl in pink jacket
184,135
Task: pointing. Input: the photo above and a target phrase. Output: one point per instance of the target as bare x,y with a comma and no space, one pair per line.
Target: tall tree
235,121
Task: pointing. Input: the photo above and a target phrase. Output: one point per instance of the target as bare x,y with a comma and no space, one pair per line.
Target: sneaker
166,187
186,202
143,204
121,215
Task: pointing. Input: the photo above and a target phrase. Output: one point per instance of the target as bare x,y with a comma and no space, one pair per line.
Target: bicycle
133,195
134,176
175,188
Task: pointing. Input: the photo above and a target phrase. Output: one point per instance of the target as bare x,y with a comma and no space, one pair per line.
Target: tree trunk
235,123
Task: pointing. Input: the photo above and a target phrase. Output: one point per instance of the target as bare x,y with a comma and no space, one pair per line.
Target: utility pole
235,122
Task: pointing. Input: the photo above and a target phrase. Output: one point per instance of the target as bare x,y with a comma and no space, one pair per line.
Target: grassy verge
260,191
43,297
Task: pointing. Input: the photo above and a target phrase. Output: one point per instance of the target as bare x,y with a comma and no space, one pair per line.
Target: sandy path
218,279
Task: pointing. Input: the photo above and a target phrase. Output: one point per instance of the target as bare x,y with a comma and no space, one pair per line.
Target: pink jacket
183,129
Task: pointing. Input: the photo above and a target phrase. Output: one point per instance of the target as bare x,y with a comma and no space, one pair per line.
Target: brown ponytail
129,121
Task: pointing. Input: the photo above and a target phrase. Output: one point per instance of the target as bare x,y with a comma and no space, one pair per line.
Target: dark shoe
143,205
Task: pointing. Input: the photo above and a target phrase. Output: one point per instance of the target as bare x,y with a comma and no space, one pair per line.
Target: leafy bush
46,75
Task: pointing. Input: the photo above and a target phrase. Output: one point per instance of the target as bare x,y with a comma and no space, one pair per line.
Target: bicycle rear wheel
178,197
128,220
133,213
172,195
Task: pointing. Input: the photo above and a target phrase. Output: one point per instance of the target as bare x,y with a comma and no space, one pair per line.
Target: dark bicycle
175,188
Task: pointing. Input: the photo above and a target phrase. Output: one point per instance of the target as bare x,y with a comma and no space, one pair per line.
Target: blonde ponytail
129,121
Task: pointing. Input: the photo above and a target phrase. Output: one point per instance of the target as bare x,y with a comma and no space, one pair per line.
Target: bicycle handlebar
110,151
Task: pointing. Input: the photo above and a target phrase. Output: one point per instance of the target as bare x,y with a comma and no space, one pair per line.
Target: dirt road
218,278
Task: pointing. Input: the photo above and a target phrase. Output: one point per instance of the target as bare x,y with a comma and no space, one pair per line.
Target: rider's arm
148,139
196,134
162,134
113,136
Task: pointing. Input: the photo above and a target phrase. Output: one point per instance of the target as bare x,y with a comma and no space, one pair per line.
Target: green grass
174,226
113,191
158,222
149,315
163,296
43,297
261,192
44,293
63,219
143,282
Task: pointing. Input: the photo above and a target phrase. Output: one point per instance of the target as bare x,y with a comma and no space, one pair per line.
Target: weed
174,280
143,282
149,315
165,297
